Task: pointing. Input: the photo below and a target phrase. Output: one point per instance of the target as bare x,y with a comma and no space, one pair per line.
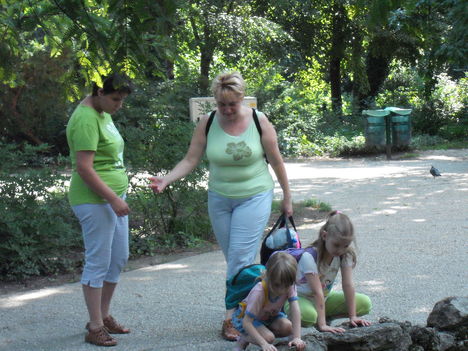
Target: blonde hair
228,83
281,269
338,226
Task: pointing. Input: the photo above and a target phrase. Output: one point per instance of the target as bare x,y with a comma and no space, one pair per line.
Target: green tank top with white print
88,130
236,163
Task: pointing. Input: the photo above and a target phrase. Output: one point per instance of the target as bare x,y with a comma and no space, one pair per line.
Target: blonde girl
315,278
259,318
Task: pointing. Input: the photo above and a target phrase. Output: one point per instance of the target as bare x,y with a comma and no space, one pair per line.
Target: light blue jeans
105,237
238,225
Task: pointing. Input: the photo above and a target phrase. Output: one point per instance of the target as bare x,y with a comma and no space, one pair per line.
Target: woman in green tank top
240,187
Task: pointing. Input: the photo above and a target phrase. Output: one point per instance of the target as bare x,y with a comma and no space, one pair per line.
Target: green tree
50,49
218,35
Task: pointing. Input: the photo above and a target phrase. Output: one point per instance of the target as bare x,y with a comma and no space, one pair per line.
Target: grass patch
410,155
456,144
433,142
297,206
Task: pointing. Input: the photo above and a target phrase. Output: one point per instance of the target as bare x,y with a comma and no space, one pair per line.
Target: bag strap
255,118
265,292
291,220
210,120
257,122
234,279
288,232
279,221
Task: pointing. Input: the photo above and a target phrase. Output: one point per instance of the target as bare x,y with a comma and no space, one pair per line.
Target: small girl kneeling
259,318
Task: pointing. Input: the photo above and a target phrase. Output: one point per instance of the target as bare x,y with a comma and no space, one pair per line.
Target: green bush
442,113
339,145
426,140
35,110
38,231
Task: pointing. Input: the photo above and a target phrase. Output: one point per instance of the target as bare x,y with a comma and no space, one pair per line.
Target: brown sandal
228,331
100,337
113,327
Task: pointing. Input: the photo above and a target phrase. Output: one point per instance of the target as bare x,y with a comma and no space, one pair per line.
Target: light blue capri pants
238,225
105,237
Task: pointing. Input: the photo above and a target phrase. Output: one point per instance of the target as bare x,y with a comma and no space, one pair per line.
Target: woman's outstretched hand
158,184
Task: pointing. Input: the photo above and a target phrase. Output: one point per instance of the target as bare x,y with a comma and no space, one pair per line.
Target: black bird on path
435,172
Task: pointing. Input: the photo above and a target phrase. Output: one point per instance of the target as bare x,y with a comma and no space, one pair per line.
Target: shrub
38,232
339,145
440,113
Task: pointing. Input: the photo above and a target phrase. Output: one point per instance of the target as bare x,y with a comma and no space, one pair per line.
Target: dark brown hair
114,83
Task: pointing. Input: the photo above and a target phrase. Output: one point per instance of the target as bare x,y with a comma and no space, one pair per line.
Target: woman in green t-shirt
97,196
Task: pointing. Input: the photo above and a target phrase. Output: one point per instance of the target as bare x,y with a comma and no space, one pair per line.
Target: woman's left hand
299,343
287,208
356,322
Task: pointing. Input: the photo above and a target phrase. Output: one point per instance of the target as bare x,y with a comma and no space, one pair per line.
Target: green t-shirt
88,130
237,165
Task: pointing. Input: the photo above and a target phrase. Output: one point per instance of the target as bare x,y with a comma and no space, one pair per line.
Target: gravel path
412,233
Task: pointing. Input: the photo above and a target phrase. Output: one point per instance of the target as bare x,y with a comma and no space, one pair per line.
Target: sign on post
200,106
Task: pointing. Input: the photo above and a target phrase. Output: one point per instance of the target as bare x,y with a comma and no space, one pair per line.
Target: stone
431,340
449,314
381,337
446,330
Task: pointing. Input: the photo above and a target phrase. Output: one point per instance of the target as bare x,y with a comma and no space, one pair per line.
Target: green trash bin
401,126
375,127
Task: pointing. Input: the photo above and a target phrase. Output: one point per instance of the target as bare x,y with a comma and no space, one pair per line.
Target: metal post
388,136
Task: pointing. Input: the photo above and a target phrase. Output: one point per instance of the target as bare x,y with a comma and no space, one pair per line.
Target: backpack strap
265,292
255,118
313,251
257,122
208,124
297,253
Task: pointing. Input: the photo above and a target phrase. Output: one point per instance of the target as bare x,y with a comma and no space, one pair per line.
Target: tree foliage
103,36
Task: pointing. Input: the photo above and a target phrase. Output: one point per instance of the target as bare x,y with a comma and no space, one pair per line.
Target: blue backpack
239,286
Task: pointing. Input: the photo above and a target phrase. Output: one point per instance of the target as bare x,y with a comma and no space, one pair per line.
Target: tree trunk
170,69
377,69
335,85
206,45
205,65
336,55
206,58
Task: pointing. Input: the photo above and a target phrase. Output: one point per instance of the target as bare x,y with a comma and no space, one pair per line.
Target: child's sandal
113,327
228,331
100,337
